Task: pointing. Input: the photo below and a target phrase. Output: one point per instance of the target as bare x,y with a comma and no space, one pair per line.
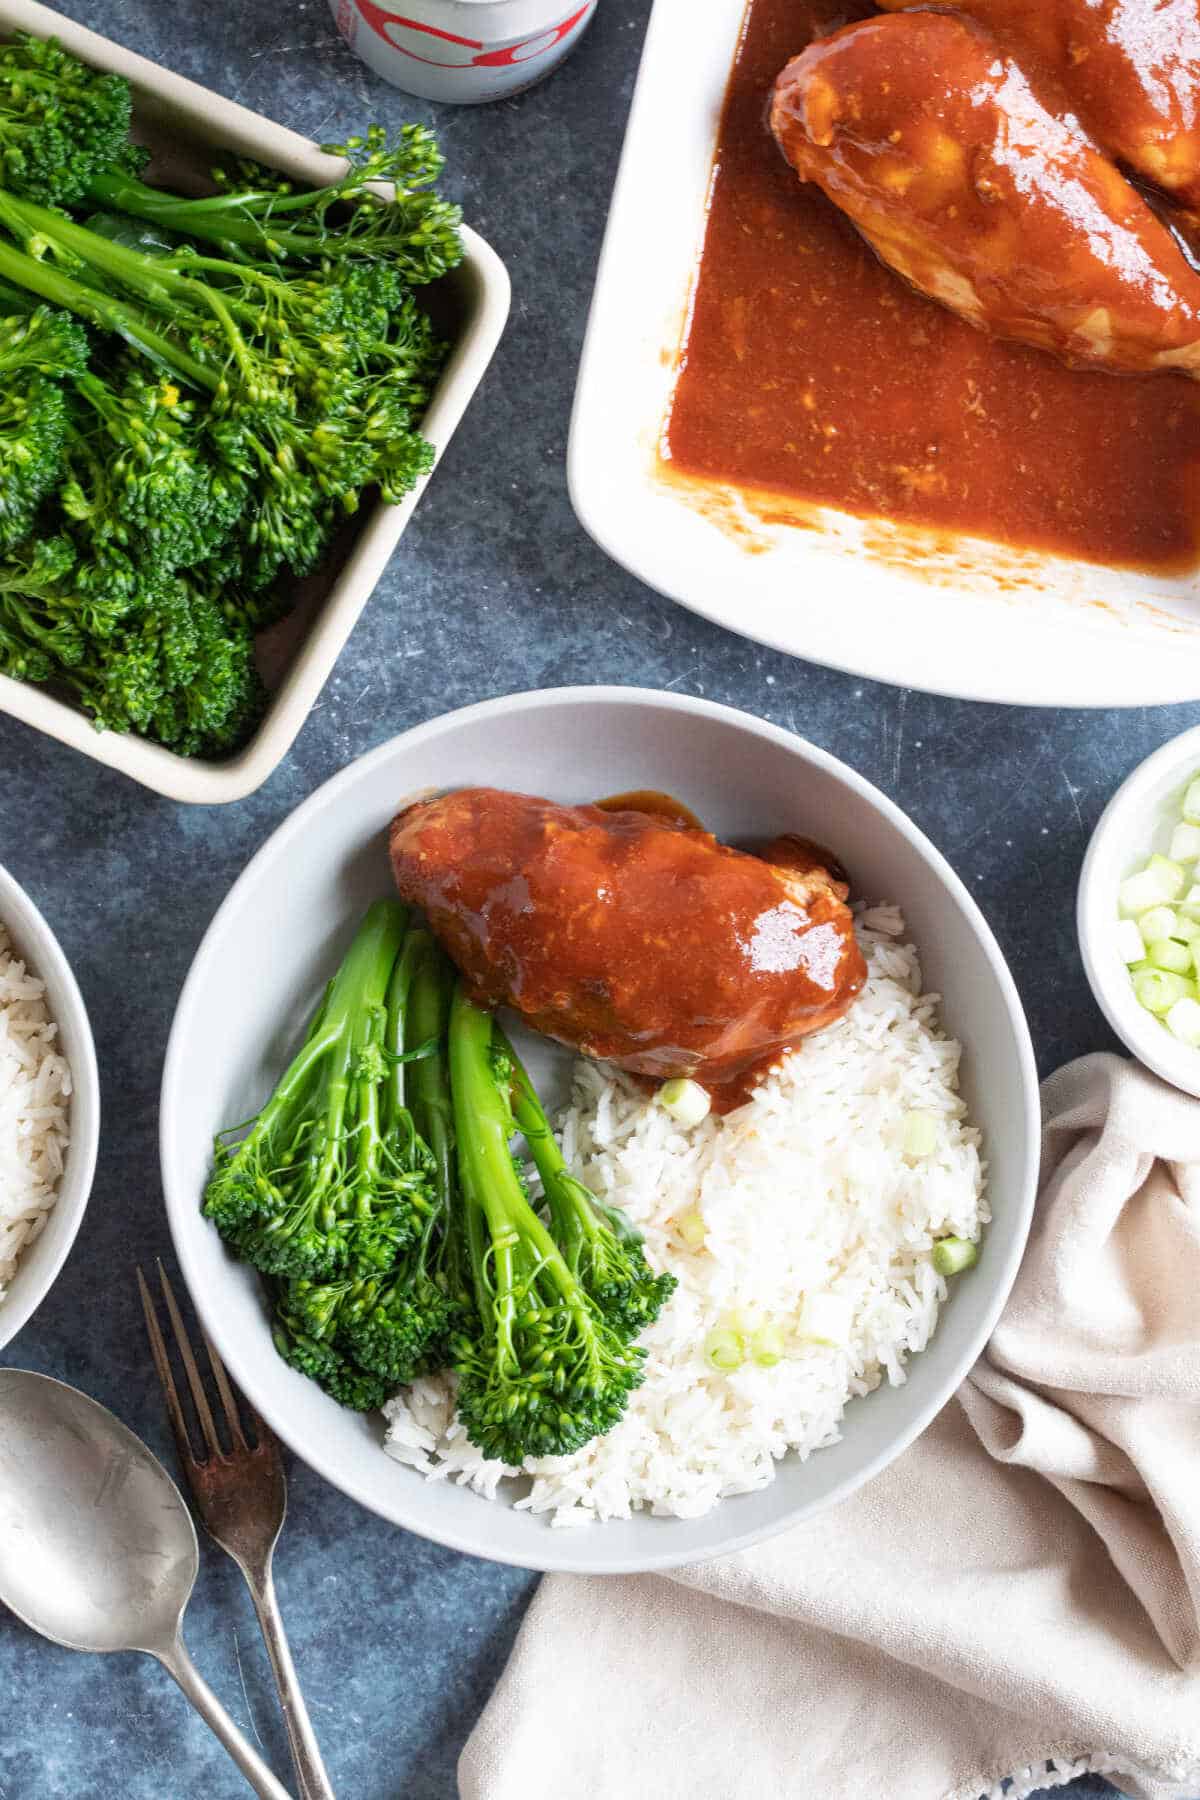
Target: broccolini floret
600,1245
321,1185
258,215
541,1369
395,1325
60,122
39,349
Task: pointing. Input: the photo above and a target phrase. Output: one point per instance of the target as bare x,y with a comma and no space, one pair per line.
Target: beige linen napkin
1023,1585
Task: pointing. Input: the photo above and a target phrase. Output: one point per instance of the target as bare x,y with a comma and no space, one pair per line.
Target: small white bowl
279,934
37,946
1137,821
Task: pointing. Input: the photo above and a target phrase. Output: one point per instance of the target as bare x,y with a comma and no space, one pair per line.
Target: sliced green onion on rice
920,1134
686,1101
691,1229
767,1346
724,1349
951,1255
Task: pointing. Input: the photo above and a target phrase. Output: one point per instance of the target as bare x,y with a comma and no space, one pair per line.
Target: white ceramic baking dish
187,124
967,618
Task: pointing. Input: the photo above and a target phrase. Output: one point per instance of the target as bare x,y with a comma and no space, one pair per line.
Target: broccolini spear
541,1370
316,379
395,1325
257,216
600,1245
320,1186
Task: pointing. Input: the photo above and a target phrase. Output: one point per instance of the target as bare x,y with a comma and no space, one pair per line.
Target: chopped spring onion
725,1349
686,1101
1159,922
1170,873
1130,947
825,1319
1138,893
691,1229
1183,1021
1161,903
1185,843
920,1131
951,1255
1158,989
767,1346
1167,953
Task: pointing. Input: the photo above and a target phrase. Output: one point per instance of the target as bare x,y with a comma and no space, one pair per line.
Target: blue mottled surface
495,589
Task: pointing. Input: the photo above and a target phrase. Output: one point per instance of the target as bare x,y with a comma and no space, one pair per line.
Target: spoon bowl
97,1548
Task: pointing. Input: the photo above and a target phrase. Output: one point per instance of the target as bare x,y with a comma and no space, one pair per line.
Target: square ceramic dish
186,125
963,617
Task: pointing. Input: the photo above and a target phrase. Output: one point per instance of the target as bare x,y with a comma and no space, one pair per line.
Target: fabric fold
1022,1586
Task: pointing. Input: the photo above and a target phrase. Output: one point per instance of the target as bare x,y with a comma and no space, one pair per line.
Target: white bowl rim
1137,1029
558,1557
40,948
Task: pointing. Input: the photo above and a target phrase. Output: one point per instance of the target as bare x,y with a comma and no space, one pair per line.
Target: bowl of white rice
49,1108
812,1333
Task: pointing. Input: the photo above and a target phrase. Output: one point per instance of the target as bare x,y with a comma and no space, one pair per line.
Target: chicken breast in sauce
632,938
934,142
1129,68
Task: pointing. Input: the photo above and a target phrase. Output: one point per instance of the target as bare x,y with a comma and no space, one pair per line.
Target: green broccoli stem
573,1218
398,1038
520,1246
220,218
429,1078
107,314
329,1049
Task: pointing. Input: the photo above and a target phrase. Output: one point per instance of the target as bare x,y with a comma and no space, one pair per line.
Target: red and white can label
464,50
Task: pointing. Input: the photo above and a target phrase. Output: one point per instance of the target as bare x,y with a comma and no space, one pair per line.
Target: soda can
463,51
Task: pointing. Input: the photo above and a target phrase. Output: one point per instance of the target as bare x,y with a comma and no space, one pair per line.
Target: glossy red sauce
632,938
810,371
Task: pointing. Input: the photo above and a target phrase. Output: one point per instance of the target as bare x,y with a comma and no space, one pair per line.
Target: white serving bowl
188,127
277,938
37,946
1137,821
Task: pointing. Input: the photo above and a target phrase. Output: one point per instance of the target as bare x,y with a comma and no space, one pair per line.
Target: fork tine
158,1350
189,1365
229,1400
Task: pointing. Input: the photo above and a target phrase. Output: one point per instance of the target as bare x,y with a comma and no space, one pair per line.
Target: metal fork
241,1495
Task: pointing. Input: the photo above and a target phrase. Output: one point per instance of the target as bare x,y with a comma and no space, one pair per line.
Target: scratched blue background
496,589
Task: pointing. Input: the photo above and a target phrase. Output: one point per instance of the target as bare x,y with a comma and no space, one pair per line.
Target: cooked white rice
35,1090
805,1190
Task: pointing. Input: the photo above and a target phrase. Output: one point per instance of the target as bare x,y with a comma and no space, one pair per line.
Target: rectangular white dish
964,617
172,111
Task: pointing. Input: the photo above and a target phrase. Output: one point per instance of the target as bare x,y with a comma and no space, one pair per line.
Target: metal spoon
97,1549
